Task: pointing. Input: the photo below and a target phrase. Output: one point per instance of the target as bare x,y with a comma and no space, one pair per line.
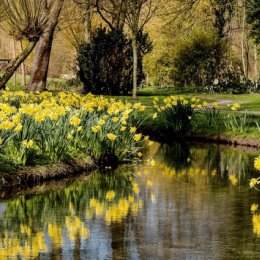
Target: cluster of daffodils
254,207
54,126
235,107
178,112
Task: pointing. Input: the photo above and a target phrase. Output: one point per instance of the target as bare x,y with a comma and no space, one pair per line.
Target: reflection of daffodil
254,207
110,195
233,179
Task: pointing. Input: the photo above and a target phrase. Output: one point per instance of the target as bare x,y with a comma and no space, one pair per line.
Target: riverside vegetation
46,128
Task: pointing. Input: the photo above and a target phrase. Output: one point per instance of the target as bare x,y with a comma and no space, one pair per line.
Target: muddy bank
33,176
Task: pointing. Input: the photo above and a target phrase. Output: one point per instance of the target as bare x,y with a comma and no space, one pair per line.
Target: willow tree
24,20
41,62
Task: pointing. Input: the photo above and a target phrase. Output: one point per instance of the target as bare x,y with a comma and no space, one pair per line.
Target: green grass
247,101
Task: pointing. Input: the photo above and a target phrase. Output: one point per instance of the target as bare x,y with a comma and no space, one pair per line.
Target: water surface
182,202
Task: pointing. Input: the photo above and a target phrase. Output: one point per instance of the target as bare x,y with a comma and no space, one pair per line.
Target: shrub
195,62
105,64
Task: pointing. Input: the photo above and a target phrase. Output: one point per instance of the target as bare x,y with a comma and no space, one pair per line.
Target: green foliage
195,62
253,18
176,115
237,123
105,64
209,118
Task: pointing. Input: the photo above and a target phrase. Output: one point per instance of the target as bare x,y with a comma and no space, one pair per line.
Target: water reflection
191,203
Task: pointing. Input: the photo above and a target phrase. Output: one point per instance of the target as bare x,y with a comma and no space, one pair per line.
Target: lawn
250,102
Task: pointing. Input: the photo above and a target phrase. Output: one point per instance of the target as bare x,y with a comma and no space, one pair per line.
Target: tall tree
138,14
23,19
43,49
253,18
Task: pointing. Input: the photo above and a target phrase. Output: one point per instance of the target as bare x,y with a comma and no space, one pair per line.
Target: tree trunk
87,25
134,45
256,65
41,63
15,63
43,52
23,67
242,41
14,56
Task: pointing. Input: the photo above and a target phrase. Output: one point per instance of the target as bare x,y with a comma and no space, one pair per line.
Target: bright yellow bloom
1,141
69,137
39,117
27,144
257,163
254,208
123,128
115,119
110,195
101,122
18,128
253,182
137,137
111,137
95,129
133,130
139,154
75,121
215,104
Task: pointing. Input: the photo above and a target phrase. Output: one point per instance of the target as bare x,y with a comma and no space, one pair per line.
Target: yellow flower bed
59,126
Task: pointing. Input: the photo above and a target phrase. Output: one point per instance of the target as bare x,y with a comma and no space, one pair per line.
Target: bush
195,62
105,64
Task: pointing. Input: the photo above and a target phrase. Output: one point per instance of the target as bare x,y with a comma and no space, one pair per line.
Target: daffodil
75,121
69,137
112,137
257,163
137,137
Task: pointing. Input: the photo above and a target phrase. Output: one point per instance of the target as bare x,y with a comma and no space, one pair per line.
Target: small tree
105,64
